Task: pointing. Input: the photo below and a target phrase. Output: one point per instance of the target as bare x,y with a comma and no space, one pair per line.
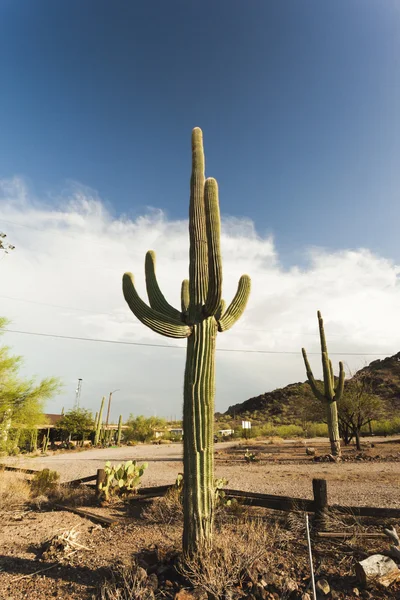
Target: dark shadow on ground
70,573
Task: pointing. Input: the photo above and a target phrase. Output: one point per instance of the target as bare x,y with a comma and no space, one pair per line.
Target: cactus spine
331,394
119,430
99,423
202,315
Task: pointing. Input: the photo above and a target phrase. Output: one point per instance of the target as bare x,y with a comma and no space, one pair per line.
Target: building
226,432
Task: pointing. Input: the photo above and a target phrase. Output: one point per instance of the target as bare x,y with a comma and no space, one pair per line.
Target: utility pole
109,406
78,393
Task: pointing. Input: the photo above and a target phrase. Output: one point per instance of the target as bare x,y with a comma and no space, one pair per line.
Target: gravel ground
369,483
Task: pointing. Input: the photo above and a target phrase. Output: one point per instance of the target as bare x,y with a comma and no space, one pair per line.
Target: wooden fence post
320,492
101,477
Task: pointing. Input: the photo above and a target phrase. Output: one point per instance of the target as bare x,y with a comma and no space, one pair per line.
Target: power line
146,344
110,314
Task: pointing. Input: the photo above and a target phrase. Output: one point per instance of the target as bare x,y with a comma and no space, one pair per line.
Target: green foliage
358,407
77,422
122,479
317,430
21,401
385,426
44,482
141,429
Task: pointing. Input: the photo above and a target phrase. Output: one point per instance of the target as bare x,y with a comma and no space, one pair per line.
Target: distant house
51,421
176,431
158,433
226,432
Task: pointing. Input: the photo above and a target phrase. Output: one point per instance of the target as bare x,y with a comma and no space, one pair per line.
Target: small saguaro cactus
332,392
202,315
99,423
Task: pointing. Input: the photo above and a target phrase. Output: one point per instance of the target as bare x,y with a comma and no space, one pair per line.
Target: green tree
78,423
141,429
21,401
358,407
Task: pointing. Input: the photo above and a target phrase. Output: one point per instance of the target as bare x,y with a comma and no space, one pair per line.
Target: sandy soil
283,469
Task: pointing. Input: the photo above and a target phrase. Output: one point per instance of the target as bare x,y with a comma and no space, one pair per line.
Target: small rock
169,583
323,587
152,582
356,591
310,451
290,585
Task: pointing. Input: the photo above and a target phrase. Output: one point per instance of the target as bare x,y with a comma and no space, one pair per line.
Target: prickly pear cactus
122,479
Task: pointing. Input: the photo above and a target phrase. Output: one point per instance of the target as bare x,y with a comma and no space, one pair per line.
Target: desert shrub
127,583
165,510
316,430
72,495
141,429
14,490
385,426
223,567
44,482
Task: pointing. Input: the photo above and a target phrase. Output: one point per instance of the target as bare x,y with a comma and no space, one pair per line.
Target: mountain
281,405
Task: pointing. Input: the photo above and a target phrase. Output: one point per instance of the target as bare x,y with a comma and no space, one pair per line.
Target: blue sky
299,103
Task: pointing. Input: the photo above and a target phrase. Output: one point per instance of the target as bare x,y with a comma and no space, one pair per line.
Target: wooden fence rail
318,505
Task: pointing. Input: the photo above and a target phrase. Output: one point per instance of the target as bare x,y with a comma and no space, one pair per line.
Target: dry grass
72,496
128,583
14,491
235,550
166,510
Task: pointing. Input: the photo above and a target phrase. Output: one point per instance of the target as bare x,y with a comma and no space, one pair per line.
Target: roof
52,419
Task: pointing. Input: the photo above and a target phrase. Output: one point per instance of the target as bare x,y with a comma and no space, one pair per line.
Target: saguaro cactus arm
310,377
148,316
213,229
237,306
185,298
156,297
340,385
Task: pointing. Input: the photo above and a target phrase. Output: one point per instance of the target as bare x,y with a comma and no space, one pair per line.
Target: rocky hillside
280,405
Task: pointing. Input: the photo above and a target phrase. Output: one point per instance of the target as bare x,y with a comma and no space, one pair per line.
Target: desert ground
371,477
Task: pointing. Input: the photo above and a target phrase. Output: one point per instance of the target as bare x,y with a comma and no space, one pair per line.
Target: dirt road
364,483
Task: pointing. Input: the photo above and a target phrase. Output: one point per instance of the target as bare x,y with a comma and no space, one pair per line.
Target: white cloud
72,252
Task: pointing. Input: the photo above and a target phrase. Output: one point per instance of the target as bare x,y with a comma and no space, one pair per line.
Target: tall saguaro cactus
202,315
332,393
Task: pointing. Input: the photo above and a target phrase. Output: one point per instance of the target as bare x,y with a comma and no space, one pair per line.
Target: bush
14,490
219,570
385,427
317,430
44,483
